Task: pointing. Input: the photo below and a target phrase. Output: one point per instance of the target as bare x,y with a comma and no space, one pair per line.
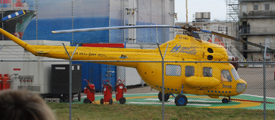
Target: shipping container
5,1
96,73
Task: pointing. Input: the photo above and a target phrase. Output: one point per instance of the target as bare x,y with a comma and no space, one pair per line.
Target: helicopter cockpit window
173,70
235,74
207,71
226,76
189,71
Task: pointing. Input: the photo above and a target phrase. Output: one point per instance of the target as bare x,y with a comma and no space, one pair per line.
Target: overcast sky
216,7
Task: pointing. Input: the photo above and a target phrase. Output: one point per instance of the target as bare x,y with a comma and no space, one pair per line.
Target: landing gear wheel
166,96
225,100
122,100
111,101
181,100
86,100
79,97
101,101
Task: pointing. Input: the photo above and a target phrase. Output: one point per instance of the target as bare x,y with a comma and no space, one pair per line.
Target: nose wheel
225,100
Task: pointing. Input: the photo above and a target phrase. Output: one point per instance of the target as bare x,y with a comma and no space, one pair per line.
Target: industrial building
257,25
104,13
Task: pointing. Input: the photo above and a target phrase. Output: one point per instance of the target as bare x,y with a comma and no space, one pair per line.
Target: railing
254,48
258,14
211,21
257,30
254,0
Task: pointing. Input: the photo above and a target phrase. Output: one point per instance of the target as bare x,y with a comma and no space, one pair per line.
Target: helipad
241,101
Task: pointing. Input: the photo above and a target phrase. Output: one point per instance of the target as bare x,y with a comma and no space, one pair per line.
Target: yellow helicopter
185,76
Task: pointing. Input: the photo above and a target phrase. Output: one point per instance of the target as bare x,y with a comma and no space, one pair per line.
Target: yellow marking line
241,105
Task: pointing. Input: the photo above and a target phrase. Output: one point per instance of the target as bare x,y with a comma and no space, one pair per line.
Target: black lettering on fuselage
226,86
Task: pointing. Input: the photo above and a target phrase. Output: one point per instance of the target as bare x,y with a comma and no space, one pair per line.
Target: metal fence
259,94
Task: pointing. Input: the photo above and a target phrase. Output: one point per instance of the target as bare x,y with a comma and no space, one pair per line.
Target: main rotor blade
114,27
240,40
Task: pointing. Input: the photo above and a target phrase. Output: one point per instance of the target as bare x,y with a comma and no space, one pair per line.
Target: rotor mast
186,12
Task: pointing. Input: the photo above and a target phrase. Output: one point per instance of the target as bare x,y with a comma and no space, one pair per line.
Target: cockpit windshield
235,74
226,76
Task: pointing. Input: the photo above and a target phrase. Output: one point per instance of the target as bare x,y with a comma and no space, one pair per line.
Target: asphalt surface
255,79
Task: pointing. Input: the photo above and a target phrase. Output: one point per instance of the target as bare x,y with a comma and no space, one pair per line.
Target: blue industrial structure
60,15
96,73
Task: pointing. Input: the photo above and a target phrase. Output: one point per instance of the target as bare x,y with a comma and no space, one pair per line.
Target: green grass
147,112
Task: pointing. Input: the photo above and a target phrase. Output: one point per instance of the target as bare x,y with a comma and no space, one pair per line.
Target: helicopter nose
241,86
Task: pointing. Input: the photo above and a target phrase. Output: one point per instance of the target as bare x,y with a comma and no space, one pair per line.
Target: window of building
255,7
173,70
207,71
266,6
189,71
244,8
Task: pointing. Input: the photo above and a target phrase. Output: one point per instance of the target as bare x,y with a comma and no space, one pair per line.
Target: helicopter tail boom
19,41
